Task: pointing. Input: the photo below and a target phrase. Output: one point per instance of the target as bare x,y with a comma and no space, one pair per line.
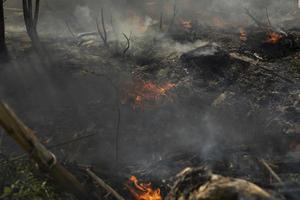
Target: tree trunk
2,32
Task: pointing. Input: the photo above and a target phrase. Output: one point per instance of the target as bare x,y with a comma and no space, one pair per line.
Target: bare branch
128,44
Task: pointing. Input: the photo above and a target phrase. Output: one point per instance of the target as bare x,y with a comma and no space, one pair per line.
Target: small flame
141,92
274,38
243,35
186,24
143,191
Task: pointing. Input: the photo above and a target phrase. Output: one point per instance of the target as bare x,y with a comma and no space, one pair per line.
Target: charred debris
243,80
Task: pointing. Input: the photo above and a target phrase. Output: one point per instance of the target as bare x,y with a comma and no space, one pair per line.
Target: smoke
71,104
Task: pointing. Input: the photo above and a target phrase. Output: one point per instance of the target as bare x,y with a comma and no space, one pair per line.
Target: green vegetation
19,180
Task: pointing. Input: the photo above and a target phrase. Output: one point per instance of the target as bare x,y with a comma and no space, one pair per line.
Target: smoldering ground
59,103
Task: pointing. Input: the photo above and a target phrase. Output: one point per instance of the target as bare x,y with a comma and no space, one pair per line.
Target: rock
197,184
208,58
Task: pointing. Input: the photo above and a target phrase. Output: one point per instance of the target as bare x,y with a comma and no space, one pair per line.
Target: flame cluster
274,38
143,191
146,91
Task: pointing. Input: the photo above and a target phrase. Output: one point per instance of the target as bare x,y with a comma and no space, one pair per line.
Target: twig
65,22
70,30
104,185
268,18
255,63
128,44
272,172
103,35
118,110
258,23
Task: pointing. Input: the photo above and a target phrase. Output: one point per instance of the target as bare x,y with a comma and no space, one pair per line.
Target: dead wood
197,184
104,185
46,160
272,172
256,63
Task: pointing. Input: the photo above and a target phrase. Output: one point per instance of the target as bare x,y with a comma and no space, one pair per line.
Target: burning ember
274,38
187,24
142,92
243,35
143,191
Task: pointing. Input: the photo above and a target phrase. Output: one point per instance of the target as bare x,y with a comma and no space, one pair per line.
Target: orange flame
243,35
142,92
143,191
274,38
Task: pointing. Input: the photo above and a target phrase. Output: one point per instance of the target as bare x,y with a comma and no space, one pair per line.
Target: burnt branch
257,22
127,44
102,33
268,18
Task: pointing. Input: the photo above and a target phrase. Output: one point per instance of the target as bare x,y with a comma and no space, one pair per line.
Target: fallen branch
272,172
255,63
104,185
46,160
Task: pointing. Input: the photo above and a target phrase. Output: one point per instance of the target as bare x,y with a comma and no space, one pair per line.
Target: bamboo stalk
46,160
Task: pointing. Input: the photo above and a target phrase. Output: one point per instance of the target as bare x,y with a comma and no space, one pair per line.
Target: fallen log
46,160
256,63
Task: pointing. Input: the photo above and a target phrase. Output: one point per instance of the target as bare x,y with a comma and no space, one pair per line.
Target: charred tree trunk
31,20
3,51
31,16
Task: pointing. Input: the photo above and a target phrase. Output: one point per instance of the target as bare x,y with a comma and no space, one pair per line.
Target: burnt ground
225,116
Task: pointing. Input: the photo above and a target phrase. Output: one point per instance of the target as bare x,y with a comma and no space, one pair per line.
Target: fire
146,91
243,35
143,191
187,24
274,38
